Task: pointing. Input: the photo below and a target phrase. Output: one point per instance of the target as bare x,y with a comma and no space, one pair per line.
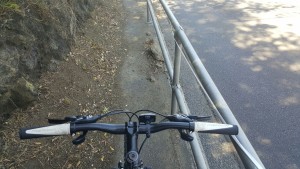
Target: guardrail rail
243,146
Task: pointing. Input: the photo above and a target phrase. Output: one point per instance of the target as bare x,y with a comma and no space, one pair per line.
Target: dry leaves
83,84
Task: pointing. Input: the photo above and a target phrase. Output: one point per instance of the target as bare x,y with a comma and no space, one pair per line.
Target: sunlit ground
264,37
280,23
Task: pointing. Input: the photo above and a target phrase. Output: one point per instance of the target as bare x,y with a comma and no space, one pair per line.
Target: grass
7,6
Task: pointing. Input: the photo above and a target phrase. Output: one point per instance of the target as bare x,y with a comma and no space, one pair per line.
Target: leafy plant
8,5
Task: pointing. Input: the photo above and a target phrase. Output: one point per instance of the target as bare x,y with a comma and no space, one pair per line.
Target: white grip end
60,129
205,126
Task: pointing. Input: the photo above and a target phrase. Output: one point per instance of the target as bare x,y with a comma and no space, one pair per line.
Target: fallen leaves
83,84
37,143
78,163
102,158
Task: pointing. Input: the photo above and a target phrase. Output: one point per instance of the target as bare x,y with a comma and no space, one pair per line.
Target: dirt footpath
85,83
109,68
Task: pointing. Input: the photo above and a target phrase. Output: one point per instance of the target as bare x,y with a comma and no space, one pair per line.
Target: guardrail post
148,13
176,75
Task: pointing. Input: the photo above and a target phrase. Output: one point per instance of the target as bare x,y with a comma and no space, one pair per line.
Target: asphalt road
251,49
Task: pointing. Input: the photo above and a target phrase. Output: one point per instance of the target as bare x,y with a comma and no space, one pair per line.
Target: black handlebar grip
47,131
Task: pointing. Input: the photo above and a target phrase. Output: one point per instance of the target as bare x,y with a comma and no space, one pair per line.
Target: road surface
252,51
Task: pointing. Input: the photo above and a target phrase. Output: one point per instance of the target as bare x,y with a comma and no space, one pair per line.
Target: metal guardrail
242,144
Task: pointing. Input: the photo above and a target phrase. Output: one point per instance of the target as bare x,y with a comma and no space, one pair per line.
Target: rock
66,101
159,65
53,65
35,40
6,106
151,79
155,51
23,93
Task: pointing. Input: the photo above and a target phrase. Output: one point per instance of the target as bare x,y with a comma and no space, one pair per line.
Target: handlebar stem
132,159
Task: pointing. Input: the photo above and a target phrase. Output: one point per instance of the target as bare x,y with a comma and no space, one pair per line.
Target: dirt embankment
35,35
82,83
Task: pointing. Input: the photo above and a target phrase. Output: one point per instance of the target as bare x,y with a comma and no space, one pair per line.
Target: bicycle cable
150,111
114,112
142,144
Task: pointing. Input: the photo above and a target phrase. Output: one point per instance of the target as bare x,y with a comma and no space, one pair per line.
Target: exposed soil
34,37
85,83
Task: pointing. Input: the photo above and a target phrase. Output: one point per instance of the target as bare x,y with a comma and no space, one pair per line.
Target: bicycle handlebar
70,128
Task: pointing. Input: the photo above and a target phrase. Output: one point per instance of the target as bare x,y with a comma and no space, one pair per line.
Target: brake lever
65,120
185,136
76,119
87,119
80,139
200,118
186,118
179,118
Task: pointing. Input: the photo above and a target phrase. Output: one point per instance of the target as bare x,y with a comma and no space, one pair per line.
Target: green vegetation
8,5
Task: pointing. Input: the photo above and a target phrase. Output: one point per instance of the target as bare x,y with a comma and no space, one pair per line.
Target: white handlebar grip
55,130
205,127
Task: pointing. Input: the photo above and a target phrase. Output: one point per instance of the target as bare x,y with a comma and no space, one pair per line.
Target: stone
23,93
148,33
155,52
4,101
151,79
159,65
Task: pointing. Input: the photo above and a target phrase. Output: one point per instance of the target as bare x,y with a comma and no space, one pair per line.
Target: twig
13,102
41,163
